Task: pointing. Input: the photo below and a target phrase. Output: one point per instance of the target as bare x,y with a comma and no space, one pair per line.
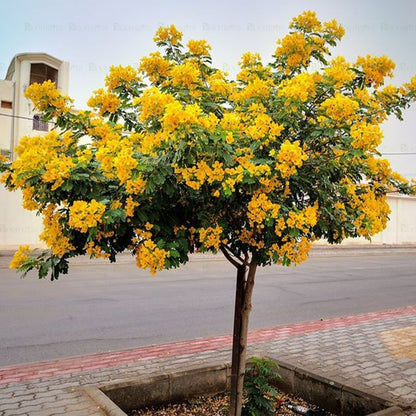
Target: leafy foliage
258,389
175,158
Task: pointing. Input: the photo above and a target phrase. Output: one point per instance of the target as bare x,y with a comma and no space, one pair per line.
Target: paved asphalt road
108,307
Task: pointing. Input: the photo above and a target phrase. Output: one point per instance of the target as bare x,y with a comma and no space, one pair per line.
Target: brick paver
356,350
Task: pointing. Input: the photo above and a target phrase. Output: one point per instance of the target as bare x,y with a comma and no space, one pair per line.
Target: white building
17,119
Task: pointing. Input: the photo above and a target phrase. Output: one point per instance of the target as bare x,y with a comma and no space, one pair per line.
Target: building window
39,124
41,72
7,104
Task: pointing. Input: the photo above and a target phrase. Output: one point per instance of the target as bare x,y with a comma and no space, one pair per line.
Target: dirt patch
217,405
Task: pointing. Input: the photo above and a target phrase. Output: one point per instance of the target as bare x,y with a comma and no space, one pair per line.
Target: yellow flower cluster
259,170
210,237
334,29
219,85
260,207
294,49
154,66
339,73
185,75
263,127
124,162
234,175
294,251
303,220
306,21
196,176
168,34
46,94
28,202
94,250
340,109
52,233
411,86
366,136
84,215
249,237
120,75
34,153
381,169
250,60
131,204
375,68
301,87
57,170
178,116
375,211
152,103
104,101
148,255
255,88
136,186
199,47
20,257
290,157
231,121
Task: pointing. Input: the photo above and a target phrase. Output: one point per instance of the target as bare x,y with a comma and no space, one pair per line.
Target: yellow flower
104,101
210,237
199,47
168,34
301,87
20,257
120,75
260,207
46,94
84,215
290,157
154,67
366,136
148,255
333,29
306,21
375,68
294,49
57,170
131,204
340,109
152,103
185,75
53,233
339,73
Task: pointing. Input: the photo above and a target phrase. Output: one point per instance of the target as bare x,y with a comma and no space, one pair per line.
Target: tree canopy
174,157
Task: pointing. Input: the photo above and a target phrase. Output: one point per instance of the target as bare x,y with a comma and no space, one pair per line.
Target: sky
93,35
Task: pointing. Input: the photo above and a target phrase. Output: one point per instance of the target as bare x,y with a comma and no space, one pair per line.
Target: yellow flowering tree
175,158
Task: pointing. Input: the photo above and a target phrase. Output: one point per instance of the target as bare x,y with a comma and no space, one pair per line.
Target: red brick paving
26,372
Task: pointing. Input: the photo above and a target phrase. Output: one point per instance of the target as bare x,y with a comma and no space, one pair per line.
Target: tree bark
244,290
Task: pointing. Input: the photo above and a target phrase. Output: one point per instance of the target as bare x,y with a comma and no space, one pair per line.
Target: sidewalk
375,352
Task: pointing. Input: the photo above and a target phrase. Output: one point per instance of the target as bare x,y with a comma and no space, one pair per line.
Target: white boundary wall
18,226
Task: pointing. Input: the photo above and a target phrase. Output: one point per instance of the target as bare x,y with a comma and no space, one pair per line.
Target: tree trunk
244,290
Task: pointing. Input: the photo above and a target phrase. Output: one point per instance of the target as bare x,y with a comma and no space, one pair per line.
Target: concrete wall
18,226
401,229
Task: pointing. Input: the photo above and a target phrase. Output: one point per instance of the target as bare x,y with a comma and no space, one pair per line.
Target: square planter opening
121,398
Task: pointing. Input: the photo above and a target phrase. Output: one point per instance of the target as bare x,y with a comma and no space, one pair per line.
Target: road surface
102,307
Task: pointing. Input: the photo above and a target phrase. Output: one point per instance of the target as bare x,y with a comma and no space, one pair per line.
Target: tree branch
228,256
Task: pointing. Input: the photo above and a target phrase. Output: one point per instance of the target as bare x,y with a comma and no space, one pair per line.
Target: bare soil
217,405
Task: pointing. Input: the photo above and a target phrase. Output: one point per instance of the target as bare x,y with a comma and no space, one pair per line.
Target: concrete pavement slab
367,351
